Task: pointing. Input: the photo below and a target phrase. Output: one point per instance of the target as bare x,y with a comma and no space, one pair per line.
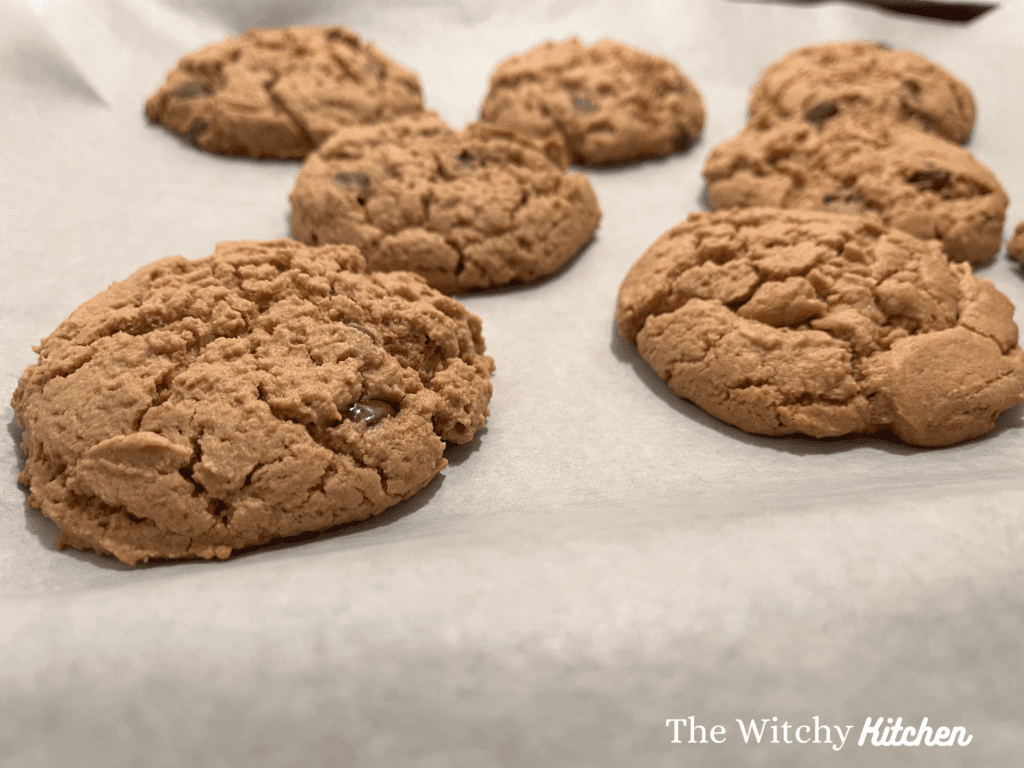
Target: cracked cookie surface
921,184
271,389
609,102
472,209
779,322
1015,245
867,78
279,93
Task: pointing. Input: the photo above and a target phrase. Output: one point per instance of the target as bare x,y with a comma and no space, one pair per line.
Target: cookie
472,209
271,389
609,102
862,77
785,321
1015,245
279,93
924,185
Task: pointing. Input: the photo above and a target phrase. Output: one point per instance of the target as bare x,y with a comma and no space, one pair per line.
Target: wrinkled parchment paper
603,559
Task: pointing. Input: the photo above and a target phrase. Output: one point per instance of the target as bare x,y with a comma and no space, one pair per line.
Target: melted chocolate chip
583,104
359,181
819,114
370,412
933,179
465,158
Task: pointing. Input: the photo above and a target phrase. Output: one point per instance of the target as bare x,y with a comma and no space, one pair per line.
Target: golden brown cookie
782,321
609,102
1015,245
271,389
862,77
280,92
478,208
924,185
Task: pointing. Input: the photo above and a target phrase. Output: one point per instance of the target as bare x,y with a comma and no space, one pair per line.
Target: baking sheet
601,559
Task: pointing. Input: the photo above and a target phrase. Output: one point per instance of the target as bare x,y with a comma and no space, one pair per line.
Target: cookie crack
282,108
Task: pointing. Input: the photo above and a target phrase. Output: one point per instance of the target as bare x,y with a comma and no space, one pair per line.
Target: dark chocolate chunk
583,104
932,179
819,114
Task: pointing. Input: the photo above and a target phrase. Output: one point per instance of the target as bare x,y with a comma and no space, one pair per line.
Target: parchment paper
603,558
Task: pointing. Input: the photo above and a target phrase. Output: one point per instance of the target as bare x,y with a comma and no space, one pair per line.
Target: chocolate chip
359,181
370,412
913,87
819,114
197,127
844,200
190,91
933,179
465,158
583,104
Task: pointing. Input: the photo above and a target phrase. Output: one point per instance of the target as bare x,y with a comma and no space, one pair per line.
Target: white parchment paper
604,557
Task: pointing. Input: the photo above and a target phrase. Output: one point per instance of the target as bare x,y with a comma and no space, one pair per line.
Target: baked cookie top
609,102
271,389
921,184
780,321
472,209
278,93
1015,245
863,77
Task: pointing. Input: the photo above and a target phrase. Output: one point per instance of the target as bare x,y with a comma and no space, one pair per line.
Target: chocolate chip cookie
784,321
916,182
478,208
609,102
1015,245
278,93
862,77
271,389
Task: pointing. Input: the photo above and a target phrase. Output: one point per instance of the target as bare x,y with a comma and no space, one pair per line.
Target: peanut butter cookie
780,321
472,209
1015,245
861,77
609,102
916,182
271,389
278,93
